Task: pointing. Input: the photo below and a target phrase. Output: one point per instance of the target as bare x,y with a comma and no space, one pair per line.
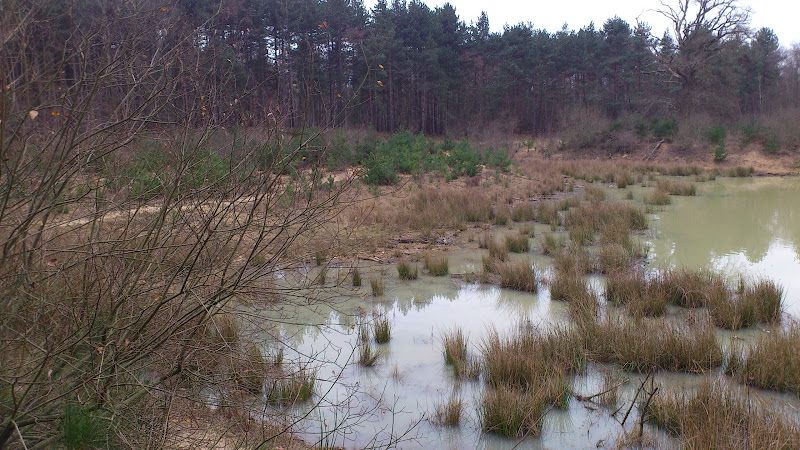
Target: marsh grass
680,188
525,358
455,345
517,275
573,259
255,370
547,213
517,243
612,381
643,345
497,251
448,413
716,415
613,257
378,286
567,285
594,194
382,330
437,267
356,278
512,413
292,388
367,356
551,244
523,213
642,297
407,271
456,354
772,362
692,288
658,198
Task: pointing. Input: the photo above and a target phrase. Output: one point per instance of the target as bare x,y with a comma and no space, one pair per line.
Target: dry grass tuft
773,361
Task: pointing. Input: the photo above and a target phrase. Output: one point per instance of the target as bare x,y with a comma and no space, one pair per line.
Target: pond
744,227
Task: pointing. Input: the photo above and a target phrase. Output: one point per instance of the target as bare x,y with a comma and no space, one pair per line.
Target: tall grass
496,250
658,198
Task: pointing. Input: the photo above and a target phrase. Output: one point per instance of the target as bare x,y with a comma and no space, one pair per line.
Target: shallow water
748,226
738,226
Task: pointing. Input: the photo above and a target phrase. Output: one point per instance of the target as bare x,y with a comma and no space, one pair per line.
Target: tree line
403,65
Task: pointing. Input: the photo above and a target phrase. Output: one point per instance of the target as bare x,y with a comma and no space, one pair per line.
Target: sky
780,15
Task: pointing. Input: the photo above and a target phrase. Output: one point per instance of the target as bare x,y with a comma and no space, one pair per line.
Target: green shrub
664,129
720,154
716,135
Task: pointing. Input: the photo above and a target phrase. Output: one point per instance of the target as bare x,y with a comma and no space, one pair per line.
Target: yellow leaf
380,65
33,113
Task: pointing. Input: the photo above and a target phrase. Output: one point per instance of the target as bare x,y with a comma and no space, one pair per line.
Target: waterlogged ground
738,226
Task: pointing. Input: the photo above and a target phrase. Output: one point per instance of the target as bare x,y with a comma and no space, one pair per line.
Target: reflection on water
743,226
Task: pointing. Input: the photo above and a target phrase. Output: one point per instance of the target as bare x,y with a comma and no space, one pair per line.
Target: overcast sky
783,16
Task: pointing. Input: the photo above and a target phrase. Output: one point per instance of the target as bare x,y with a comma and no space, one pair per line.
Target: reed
437,267
773,361
382,330
407,271
517,243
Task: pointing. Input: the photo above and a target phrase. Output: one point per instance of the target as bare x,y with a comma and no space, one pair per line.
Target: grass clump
642,297
692,288
551,245
547,213
594,194
527,357
680,188
512,413
496,251
407,272
658,198
517,275
719,416
455,354
773,361
367,356
378,286
382,330
517,243
613,257
649,344
437,267
523,213
759,303
293,388
567,285
356,278
449,412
